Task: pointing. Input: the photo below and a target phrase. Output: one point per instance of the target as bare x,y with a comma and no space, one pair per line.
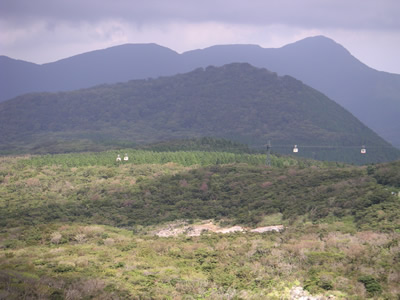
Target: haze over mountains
372,96
235,101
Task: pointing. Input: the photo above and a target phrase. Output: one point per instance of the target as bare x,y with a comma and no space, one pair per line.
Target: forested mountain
236,101
372,96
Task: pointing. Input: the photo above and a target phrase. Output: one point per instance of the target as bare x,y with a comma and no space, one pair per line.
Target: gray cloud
46,30
358,14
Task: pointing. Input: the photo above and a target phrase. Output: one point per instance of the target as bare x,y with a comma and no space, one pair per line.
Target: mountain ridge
372,96
235,101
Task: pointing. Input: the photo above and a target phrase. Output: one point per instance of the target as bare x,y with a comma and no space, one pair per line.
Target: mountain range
370,95
236,101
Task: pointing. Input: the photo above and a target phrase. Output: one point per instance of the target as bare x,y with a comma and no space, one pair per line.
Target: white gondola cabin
363,150
118,158
295,149
126,158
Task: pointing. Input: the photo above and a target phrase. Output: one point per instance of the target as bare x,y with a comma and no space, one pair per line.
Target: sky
42,31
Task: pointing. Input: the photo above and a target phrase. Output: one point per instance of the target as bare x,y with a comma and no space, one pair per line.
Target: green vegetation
386,174
208,144
95,261
236,102
371,284
185,158
81,225
154,187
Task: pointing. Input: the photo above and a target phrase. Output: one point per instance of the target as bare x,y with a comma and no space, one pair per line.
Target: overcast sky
47,30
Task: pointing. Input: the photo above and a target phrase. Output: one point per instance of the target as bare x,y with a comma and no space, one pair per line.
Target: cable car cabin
126,157
295,149
363,150
118,158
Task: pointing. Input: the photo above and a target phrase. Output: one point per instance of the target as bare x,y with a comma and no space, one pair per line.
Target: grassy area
96,261
77,227
82,188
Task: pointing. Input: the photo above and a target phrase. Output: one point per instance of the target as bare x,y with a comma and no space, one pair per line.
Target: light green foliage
140,157
272,219
155,187
341,226
211,266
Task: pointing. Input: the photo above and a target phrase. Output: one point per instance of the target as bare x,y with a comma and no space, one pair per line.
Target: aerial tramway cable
295,149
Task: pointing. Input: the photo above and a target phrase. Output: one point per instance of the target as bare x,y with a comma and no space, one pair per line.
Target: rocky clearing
197,229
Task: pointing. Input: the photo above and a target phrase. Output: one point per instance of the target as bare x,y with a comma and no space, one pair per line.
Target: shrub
56,238
64,267
371,285
80,238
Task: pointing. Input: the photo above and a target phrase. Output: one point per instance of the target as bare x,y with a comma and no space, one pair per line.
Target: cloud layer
47,30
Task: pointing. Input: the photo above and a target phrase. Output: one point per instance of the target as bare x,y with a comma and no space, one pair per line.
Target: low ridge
235,101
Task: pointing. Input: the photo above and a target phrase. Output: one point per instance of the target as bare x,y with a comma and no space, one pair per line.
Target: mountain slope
110,65
236,101
18,77
371,96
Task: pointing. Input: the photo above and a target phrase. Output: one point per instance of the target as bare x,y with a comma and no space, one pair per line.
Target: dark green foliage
383,215
387,174
317,283
63,268
237,102
91,187
371,284
199,144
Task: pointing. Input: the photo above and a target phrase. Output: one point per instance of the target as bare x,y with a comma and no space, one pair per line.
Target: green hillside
236,102
82,226
154,187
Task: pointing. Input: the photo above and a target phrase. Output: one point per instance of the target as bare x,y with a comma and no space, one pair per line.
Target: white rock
277,228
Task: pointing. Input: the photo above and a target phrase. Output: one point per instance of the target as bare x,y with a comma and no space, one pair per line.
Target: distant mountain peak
139,45
127,51
319,38
317,43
